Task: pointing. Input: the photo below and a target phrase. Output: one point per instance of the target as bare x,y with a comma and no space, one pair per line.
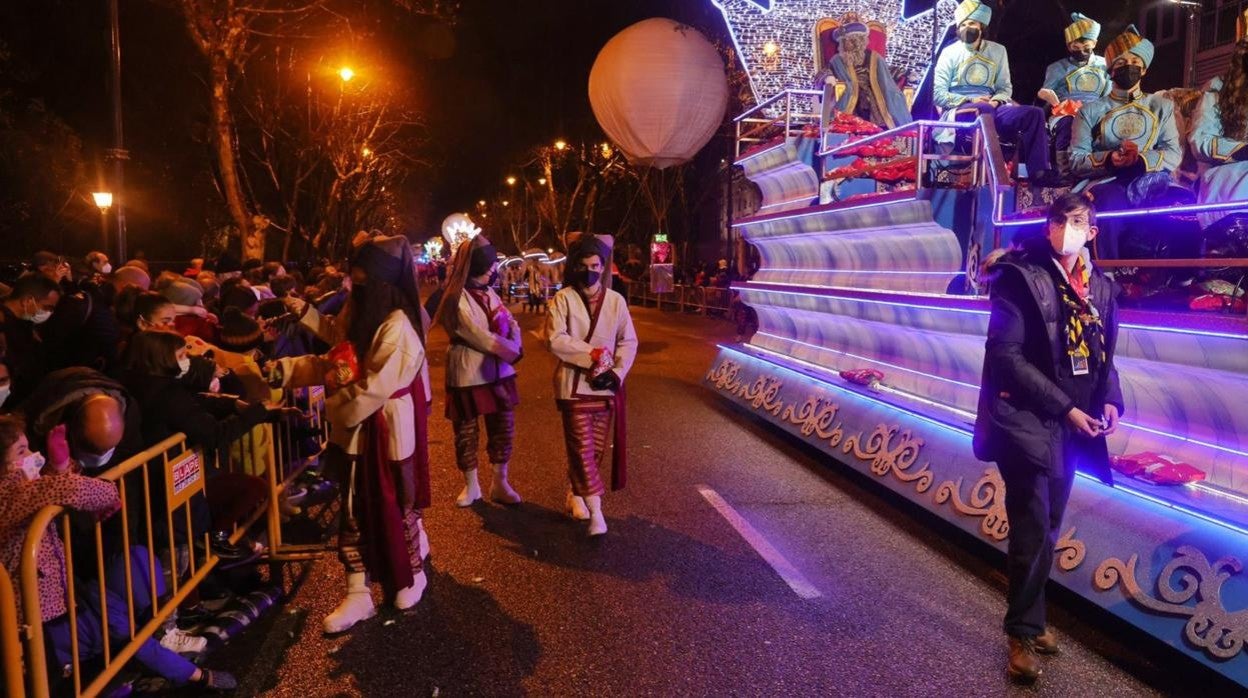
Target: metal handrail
10,639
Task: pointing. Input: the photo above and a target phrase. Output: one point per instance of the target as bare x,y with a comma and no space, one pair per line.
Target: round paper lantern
659,91
457,228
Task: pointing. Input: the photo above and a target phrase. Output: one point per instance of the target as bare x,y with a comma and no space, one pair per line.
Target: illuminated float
871,343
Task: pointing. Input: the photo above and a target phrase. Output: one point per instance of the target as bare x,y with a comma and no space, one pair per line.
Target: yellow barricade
10,641
183,475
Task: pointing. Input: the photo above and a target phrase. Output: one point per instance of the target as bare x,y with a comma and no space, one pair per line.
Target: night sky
509,75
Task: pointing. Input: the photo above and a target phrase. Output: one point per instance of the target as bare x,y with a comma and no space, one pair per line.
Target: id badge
1079,364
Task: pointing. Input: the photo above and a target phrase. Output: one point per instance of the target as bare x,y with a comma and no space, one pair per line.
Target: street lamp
104,200
346,73
506,202
561,144
511,181
541,181
481,202
366,152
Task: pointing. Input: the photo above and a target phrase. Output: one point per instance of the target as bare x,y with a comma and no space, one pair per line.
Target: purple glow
870,300
1189,208
856,271
1183,330
1125,489
864,358
790,201
888,199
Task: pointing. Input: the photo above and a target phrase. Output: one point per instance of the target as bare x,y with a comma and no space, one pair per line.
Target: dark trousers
1034,502
1026,123
1062,132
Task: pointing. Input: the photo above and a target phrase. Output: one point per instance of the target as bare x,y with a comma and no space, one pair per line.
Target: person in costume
1080,78
1126,145
870,93
591,332
378,414
973,77
1050,395
1220,135
480,375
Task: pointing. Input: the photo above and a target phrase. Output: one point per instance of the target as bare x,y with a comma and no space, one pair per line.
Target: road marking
791,576
536,334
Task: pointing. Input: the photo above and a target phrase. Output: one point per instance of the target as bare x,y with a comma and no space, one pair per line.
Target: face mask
590,278
41,317
92,461
31,465
106,269
4,393
184,366
1127,76
969,35
1081,56
1071,240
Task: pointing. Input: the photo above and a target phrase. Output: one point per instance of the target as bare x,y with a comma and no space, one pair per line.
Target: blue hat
851,23
972,9
1082,27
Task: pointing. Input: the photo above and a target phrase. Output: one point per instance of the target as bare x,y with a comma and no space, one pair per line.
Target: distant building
1165,24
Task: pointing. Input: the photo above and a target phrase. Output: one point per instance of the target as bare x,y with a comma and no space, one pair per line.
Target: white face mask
31,465
106,269
1071,241
40,316
184,366
91,461
4,393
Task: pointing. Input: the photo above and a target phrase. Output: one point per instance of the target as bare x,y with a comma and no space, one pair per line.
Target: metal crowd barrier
184,473
270,451
703,300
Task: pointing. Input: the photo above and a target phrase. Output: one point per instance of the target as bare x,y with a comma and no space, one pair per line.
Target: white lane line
791,576
536,335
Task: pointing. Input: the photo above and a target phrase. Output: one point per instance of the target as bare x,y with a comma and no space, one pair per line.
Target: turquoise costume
1227,180
963,73
1070,80
1104,125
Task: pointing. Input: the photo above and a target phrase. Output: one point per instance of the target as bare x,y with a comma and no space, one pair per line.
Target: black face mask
1127,76
583,278
969,35
1081,56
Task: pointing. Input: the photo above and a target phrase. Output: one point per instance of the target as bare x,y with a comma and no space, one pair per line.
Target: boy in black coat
1049,397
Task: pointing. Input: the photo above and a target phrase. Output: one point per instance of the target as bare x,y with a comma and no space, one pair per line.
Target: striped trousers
586,424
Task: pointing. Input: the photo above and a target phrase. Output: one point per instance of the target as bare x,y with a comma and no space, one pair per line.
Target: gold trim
1220,633
987,500
886,458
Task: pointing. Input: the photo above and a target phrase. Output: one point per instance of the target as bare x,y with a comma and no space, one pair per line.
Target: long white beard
854,57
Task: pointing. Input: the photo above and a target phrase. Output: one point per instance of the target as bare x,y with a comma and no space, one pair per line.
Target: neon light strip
790,201
1125,489
1185,439
1167,504
865,358
1188,208
1219,492
867,300
1182,330
823,211
860,271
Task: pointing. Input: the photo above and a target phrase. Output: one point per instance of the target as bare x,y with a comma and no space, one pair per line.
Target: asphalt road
673,600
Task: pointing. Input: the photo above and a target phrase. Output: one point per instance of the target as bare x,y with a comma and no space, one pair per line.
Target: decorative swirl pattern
1220,633
1070,552
987,500
816,416
885,458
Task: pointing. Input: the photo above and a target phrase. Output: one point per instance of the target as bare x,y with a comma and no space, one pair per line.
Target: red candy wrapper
346,368
1158,469
603,361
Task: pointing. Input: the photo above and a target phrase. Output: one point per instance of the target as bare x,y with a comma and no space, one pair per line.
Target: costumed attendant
973,75
1082,77
480,377
1126,145
592,335
1220,136
378,415
871,92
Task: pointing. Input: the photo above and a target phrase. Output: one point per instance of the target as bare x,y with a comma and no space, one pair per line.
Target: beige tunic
567,326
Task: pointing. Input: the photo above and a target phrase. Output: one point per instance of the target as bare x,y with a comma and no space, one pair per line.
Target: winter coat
1022,409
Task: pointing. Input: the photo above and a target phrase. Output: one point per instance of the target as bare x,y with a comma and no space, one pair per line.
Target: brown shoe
1046,643
1024,666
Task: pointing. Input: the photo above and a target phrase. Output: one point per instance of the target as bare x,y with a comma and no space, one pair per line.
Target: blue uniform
964,73
1070,80
1227,180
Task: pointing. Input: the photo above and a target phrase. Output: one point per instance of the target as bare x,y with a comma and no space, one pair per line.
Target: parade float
872,321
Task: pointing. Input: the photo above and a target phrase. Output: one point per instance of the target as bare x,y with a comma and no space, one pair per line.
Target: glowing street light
346,73
561,144
606,150
481,202
541,181
506,202
511,181
103,199
366,152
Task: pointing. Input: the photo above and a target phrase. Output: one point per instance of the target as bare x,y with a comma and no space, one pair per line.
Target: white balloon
659,90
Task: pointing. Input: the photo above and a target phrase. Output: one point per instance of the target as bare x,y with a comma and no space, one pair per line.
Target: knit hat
184,292
1082,27
130,275
851,23
972,9
1130,41
238,332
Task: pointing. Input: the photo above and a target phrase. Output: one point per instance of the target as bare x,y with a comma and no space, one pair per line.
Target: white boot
597,524
357,606
471,491
422,540
501,491
406,598
576,507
